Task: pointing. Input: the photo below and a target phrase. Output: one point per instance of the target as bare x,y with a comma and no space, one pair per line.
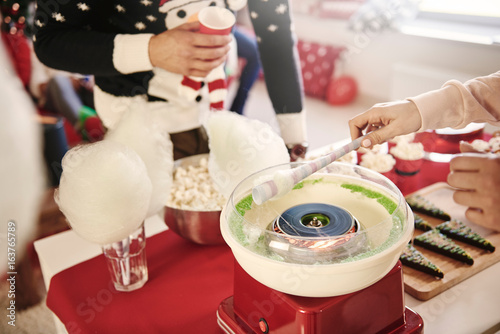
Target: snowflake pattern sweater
109,39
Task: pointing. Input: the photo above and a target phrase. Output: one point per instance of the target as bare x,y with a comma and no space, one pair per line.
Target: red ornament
341,90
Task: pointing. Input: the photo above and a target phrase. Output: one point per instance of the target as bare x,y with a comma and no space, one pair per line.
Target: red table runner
186,284
430,173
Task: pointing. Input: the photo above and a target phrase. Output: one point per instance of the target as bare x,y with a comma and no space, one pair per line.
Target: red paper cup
359,154
359,157
387,174
408,167
216,20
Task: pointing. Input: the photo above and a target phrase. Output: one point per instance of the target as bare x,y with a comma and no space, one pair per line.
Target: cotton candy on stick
284,180
104,191
137,130
240,146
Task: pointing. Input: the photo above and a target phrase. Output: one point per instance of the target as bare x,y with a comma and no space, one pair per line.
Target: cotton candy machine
321,259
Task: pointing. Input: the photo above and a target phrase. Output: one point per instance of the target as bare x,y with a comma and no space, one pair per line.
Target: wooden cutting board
423,286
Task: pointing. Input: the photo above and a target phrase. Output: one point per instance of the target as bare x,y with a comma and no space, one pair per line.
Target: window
483,12
470,21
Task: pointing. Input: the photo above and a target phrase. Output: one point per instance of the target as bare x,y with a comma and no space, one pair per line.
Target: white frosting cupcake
379,148
404,138
379,162
408,151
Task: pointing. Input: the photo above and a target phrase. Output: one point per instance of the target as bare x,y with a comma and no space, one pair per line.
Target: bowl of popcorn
194,206
409,157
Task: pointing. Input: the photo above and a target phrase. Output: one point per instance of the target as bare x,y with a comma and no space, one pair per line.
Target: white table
472,306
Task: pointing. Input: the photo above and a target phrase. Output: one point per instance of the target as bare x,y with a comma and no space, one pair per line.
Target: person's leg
189,143
63,100
247,49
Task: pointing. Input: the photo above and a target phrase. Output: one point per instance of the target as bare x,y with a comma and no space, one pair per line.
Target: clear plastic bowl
326,265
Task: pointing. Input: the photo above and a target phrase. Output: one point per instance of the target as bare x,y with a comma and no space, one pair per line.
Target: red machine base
379,308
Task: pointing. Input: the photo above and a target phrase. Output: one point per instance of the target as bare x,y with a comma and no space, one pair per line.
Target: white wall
371,58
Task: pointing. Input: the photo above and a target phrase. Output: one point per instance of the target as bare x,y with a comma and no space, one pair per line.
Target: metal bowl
201,227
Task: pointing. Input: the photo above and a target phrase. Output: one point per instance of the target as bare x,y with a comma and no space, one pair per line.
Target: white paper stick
283,181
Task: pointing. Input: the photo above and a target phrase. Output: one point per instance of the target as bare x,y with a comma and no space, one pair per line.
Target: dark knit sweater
79,36
82,41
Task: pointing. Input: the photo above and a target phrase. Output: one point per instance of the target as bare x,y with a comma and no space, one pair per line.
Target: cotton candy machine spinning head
312,220
321,259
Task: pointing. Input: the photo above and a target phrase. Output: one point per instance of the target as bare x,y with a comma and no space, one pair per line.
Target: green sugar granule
317,180
244,205
385,201
299,185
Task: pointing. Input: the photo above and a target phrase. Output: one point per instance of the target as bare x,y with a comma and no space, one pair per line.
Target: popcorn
494,145
480,145
193,189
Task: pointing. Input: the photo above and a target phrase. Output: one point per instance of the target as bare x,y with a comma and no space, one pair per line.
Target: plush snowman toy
180,89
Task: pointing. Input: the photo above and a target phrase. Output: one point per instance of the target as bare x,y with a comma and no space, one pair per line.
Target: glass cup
126,260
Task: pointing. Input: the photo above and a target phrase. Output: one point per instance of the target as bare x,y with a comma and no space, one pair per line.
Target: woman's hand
384,121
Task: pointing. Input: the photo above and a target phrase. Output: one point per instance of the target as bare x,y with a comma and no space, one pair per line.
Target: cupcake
379,162
379,148
399,139
409,157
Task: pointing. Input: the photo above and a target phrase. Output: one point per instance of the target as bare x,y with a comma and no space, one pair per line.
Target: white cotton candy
240,146
104,191
136,130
